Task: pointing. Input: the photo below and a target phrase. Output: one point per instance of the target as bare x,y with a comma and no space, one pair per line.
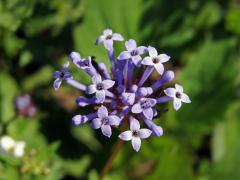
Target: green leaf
8,91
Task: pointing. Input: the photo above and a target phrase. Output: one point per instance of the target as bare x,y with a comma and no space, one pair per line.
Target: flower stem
110,160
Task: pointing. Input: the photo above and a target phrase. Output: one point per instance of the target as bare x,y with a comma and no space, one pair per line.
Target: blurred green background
201,141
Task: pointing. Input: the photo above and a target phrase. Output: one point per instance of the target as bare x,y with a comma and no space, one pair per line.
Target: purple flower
61,75
135,134
99,87
126,93
25,106
155,60
133,52
108,37
177,95
144,106
105,121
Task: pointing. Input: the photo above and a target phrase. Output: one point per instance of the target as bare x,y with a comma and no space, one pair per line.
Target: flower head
155,60
61,75
105,121
125,95
108,37
25,106
135,134
133,52
177,95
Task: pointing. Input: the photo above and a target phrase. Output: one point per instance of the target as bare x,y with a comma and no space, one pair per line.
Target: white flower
11,147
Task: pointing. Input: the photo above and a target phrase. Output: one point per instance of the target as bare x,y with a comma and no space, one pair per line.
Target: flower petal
108,44
56,74
106,130
177,103
136,143
185,98
141,50
130,44
136,108
147,61
144,133
96,123
100,95
108,83
148,113
134,124
57,83
91,89
171,92
152,51
100,39
107,32
157,130
126,135
114,120
163,58
96,79
102,112
159,68
19,149
117,37
128,98
124,55
136,60
179,88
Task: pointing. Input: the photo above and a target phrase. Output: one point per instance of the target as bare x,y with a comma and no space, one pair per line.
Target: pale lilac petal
108,44
56,74
144,133
134,124
117,37
147,61
131,44
136,60
159,68
107,32
75,57
108,83
152,101
171,92
100,95
91,89
66,65
106,130
177,103
126,135
102,112
152,51
124,55
163,58
185,98
141,50
128,98
96,79
136,143
179,88
114,120
148,113
96,123
136,108
100,39
57,83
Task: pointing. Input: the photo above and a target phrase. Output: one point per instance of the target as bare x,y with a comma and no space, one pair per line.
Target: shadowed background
200,141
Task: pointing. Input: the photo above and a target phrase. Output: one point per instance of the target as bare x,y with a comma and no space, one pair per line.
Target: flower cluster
124,96
11,147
